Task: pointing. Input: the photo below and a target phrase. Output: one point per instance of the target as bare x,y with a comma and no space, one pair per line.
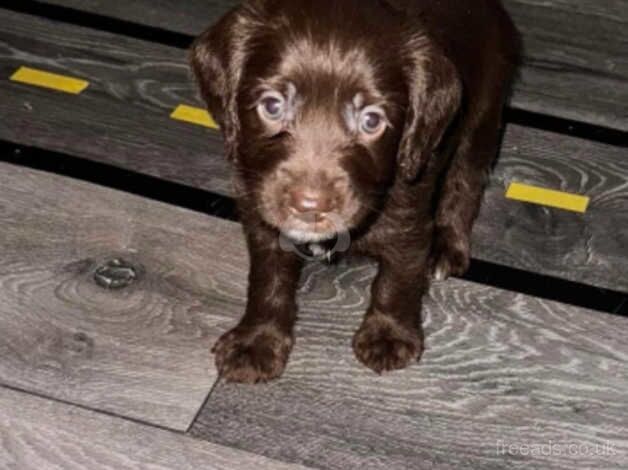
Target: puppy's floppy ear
217,58
435,93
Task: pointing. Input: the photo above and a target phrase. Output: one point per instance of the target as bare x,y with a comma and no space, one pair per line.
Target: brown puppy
376,119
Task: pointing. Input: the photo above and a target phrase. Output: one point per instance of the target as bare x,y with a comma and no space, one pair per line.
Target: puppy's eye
272,107
372,120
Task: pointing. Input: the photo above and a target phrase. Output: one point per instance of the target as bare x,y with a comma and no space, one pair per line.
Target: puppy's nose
310,201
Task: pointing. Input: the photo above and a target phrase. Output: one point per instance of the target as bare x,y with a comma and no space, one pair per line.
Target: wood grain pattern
500,367
500,370
575,63
38,434
123,120
575,67
588,248
142,351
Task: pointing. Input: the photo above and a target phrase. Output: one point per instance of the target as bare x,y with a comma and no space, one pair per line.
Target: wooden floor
123,121
123,378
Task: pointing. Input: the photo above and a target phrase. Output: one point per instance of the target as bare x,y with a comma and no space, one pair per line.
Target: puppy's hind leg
461,194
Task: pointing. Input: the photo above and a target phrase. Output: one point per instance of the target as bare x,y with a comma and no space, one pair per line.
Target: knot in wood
115,274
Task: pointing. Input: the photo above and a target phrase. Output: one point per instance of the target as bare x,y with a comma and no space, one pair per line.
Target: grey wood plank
500,370
575,63
42,434
575,67
500,367
141,351
122,119
588,248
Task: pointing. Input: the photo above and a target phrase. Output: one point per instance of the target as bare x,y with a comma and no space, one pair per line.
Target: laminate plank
141,351
122,119
42,434
575,63
588,248
501,371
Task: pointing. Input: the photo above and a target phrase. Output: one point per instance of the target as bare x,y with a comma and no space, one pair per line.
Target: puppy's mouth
312,227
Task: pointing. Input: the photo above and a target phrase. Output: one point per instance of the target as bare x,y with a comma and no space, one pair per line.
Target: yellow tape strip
49,80
548,197
194,115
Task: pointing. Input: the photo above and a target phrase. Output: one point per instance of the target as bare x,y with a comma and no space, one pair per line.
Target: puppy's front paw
382,344
252,354
450,254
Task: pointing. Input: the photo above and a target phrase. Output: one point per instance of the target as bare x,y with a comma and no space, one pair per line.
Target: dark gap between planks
111,414
491,274
100,22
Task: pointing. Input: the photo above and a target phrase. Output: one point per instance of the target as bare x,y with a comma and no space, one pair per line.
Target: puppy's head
323,106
